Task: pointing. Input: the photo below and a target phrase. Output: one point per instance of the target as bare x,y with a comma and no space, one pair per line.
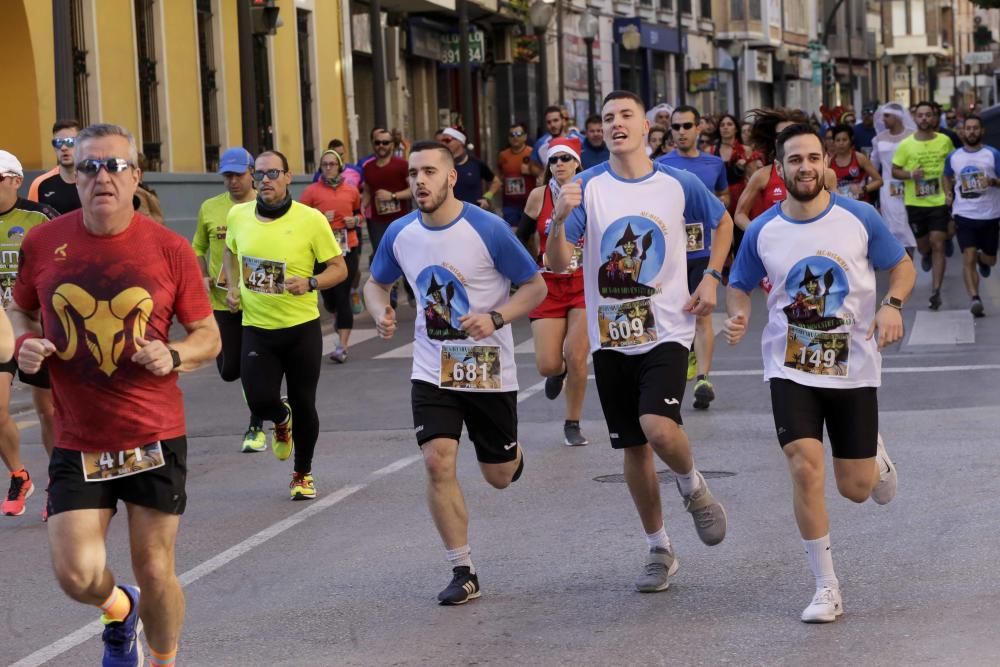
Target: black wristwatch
176,357
892,302
712,272
313,284
497,320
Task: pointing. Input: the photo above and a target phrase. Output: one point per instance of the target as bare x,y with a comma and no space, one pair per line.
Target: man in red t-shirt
514,165
385,186
96,293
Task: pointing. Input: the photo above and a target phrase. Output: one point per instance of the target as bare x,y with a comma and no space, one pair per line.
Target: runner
654,141
514,164
17,216
640,314
919,163
559,325
735,156
856,177
384,190
594,149
973,191
711,171
58,190
477,184
556,126
822,340
209,246
95,297
340,203
462,261
894,124
272,248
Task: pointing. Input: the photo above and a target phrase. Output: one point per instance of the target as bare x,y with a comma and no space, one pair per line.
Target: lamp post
886,64
931,76
631,39
735,51
910,61
540,13
588,30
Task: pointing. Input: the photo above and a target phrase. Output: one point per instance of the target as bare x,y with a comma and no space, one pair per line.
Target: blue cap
235,161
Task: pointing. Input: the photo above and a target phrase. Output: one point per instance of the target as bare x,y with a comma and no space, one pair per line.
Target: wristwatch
892,302
712,272
313,284
176,357
394,197
497,319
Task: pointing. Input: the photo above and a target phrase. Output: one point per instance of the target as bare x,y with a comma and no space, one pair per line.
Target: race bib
7,279
896,188
844,190
514,185
626,324
817,352
972,184
341,236
576,260
386,206
471,367
927,188
264,276
102,466
220,280
695,236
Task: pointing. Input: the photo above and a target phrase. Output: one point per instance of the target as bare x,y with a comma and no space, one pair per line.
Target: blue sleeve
510,257
996,160
576,223
721,180
385,269
948,171
535,155
699,203
748,269
884,251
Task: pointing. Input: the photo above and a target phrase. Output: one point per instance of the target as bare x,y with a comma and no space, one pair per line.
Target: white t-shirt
974,198
823,300
635,254
890,195
464,267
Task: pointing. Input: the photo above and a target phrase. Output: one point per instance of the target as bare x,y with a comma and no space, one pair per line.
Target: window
262,80
667,5
706,9
685,6
899,18
209,90
81,99
737,11
755,10
917,18
149,107
305,90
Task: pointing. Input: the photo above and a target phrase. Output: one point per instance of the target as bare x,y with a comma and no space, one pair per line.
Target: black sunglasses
562,157
272,174
59,142
113,165
682,126
382,143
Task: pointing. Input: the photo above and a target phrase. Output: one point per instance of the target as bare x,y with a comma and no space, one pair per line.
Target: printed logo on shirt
443,299
632,251
817,287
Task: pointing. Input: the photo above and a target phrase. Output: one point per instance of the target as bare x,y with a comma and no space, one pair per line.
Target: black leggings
229,360
296,354
337,299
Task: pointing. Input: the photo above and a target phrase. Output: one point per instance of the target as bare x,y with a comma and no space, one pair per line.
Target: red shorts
565,294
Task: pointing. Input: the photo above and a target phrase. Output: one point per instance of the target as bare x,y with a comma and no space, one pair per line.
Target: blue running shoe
122,647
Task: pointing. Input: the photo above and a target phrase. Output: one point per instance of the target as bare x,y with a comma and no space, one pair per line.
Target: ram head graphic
103,321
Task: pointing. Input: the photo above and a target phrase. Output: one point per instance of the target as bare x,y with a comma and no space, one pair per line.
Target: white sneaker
885,489
825,607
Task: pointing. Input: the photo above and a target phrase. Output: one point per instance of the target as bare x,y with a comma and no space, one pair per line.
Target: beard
433,202
802,192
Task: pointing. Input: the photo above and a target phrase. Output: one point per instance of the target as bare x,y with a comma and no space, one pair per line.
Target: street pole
378,63
850,56
886,77
591,84
543,73
910,84
248,80
736,87
560,77
62,30
465,74
682,60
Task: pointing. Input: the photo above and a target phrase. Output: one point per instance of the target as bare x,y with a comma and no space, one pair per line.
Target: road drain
665,476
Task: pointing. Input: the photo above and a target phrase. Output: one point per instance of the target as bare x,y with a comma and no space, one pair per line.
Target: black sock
256,422
700,378
571,422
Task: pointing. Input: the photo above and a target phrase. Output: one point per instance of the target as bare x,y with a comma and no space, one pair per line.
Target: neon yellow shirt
210,242
269,252
929,156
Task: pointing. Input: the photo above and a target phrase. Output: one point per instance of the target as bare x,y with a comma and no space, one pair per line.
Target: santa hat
455,134
568,145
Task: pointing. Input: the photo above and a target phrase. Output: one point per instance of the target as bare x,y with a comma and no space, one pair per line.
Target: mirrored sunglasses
113,165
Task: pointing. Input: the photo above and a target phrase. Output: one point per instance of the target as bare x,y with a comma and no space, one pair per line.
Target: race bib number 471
263,275
471,367
102,466
626,324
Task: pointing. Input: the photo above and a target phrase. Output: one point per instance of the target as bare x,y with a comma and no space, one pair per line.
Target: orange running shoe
20,488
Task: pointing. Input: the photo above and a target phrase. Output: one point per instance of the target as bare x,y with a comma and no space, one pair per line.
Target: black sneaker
572,436
925,263
935,301
977,307
984,269
464,586
554,385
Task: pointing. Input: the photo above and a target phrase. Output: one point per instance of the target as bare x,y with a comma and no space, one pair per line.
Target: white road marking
402,352
90,630
27,423
358,336
945,327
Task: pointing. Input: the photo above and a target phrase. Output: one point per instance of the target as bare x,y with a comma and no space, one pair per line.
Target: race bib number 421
817,352
471,367
102,466
264,275
626,324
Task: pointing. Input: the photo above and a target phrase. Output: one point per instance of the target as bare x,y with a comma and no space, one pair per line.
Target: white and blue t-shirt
711,171
975,198
824,296
464,267
635,254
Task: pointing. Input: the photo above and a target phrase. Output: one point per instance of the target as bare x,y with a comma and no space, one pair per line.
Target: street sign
978,58
451,51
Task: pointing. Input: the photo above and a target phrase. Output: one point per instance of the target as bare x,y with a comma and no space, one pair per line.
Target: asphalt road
350,579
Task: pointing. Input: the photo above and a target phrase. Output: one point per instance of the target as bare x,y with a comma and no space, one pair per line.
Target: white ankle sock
461,556
658,539
688,483
821,561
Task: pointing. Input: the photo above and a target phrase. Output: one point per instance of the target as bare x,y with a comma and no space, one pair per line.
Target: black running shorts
490,418
926,219
161,489
629,386
981,234
850,415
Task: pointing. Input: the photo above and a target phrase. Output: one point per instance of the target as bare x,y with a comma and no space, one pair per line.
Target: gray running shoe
660,564
572,436
709,516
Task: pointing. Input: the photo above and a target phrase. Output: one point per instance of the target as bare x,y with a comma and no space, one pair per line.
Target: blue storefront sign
654,37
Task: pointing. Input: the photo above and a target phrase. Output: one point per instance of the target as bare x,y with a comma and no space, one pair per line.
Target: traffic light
265,16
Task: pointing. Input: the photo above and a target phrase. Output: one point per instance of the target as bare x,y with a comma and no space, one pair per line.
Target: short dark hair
623,95
843,128
790,132
334,143
65,124
658,128
975,117
279,155
376,130
593,119
430,145
924,103
687,108
551,109
519,124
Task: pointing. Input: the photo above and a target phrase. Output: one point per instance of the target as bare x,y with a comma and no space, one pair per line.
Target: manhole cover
666,477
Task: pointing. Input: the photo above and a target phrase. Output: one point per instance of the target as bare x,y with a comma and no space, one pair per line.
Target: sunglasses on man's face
682,126
382,143
517,133
59,142
272,174
113,165
562,157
